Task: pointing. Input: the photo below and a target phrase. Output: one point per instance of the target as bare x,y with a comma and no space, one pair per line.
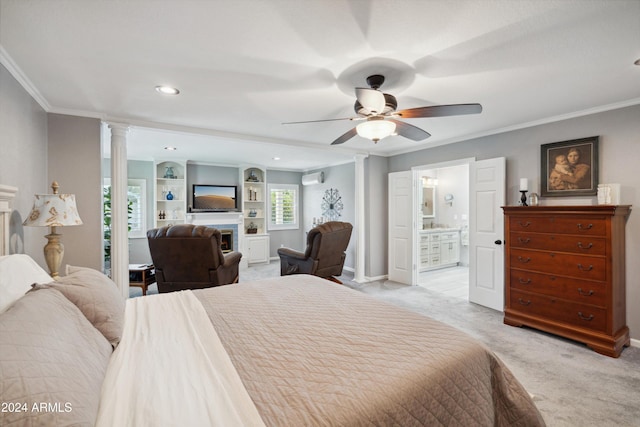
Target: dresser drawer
587,245
586,226
583,291
556,309
579,266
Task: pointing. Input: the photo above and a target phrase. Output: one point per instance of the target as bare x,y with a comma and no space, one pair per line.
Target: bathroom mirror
428,201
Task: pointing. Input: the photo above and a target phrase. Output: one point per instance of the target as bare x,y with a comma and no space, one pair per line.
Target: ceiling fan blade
410,131
325,120
344,138
440,111
371,99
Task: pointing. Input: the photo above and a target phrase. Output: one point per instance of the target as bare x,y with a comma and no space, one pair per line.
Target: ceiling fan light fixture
376,128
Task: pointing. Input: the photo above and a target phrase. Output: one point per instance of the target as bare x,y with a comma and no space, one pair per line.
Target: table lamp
53,210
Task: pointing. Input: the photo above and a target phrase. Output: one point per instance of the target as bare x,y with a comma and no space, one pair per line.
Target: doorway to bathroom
442,228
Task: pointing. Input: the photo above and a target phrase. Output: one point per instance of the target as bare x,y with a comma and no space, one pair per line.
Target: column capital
360,156
119,129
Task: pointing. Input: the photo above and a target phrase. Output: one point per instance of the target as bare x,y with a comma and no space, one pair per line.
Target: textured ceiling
246,66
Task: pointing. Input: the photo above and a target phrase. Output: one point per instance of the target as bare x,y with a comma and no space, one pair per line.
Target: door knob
498,242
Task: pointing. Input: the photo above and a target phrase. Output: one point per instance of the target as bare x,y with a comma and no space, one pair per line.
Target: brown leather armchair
325,253
188,256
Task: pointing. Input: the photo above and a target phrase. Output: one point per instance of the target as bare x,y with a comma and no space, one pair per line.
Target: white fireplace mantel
214,218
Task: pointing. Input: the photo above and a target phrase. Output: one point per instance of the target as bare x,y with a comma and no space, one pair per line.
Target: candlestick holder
523,198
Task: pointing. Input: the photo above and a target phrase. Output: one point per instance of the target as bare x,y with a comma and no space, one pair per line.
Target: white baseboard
635,342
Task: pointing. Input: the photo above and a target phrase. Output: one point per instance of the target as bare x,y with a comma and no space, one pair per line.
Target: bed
296,350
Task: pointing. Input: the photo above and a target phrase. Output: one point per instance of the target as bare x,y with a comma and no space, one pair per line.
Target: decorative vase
168,174
169,195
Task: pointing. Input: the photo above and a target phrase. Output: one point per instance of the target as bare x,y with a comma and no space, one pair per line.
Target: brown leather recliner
187,256
325,253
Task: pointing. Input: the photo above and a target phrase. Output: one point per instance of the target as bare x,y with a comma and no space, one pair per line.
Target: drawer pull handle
521,240
585,247
588,227
586,294
524,260
581,267
583,317
523,302
524,282
526,224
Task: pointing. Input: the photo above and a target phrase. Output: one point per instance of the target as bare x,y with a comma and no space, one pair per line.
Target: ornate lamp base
53,252
523,198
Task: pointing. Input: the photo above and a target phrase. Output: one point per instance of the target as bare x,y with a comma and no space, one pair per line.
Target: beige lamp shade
53,210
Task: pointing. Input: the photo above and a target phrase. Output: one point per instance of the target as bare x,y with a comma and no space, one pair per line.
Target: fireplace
227,241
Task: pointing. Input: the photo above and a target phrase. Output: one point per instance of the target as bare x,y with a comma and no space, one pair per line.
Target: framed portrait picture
569,168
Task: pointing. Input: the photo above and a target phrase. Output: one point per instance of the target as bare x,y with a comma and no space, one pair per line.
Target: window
136,194
283,209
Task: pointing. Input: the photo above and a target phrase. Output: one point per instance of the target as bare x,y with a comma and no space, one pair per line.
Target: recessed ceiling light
167,90
276,158
169,148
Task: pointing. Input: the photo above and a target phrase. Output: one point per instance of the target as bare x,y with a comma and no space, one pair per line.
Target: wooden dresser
565,272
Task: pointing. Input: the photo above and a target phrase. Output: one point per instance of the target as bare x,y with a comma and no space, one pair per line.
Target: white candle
524,184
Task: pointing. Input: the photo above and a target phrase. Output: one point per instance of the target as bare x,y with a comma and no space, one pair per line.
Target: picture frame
569,168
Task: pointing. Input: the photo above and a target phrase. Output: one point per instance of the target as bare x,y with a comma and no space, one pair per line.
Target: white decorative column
119,211
359,275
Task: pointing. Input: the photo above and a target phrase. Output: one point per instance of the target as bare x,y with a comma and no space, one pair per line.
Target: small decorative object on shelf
524,187
169,195
523,198
252,228
252,176
253,213
533,199
169,174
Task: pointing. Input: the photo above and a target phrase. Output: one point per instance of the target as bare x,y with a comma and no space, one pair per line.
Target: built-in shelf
254,195
170,178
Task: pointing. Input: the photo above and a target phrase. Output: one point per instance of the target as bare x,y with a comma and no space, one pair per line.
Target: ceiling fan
378,110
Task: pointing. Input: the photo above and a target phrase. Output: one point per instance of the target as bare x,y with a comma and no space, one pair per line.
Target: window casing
283,206
136,195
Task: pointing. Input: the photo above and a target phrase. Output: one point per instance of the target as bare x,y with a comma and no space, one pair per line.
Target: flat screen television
215,198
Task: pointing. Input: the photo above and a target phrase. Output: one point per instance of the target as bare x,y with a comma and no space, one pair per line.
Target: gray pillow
97,296
50,355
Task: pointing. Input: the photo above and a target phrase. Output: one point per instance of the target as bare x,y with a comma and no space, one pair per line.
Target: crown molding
16,72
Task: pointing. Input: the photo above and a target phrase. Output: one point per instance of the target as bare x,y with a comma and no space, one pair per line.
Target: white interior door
486,233
401,228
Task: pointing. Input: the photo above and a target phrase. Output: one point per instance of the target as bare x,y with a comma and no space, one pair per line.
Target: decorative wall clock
332,204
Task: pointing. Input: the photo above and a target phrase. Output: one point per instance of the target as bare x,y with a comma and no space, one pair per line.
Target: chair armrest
291,254
232,258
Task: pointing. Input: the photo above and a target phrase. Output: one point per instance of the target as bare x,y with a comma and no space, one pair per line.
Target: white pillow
17,273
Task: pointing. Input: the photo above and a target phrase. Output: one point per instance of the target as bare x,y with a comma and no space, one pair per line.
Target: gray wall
75,161
342,178
23,161
619,132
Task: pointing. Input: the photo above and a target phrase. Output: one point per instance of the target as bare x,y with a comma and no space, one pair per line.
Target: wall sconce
448,199
53,210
